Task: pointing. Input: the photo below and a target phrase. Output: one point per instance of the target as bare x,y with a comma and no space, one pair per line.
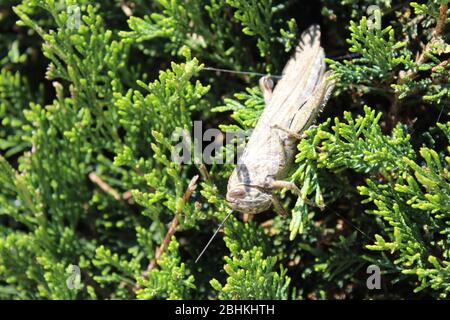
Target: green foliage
251,277
247,114
355,9
171,281
380,54
256,17
417,217
204,28
92,93
15,95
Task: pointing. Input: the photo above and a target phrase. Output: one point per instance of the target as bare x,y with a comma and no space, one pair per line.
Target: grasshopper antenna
213,236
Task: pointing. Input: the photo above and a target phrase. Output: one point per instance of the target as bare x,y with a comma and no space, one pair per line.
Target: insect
290,109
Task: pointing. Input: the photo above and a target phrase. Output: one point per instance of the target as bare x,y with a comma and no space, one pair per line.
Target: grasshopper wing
303,89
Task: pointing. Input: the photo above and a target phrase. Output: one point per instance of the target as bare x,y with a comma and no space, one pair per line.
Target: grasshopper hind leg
280,184
277,206
291,134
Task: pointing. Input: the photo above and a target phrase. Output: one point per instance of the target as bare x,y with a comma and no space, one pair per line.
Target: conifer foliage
92,205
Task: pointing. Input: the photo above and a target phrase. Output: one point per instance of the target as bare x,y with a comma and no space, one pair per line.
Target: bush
91,205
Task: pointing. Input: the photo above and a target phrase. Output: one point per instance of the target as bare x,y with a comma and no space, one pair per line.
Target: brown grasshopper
290,109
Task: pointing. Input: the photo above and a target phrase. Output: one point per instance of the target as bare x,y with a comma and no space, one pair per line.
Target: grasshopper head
245,193
248,199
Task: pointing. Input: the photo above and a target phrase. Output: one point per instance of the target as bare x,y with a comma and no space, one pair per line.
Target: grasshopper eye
236,193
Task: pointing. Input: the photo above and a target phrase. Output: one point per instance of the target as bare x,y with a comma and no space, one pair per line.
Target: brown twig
187,194
267,224
165,243
160,250
126,8
127,195
441,22
204,172
438,30
421,59
104,186
440,65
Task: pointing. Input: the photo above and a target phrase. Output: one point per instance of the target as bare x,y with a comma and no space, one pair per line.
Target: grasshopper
290,109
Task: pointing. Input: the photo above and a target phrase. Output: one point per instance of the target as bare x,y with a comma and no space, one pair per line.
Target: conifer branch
173,225
126,8
421,59
121,91
95,178
442,20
